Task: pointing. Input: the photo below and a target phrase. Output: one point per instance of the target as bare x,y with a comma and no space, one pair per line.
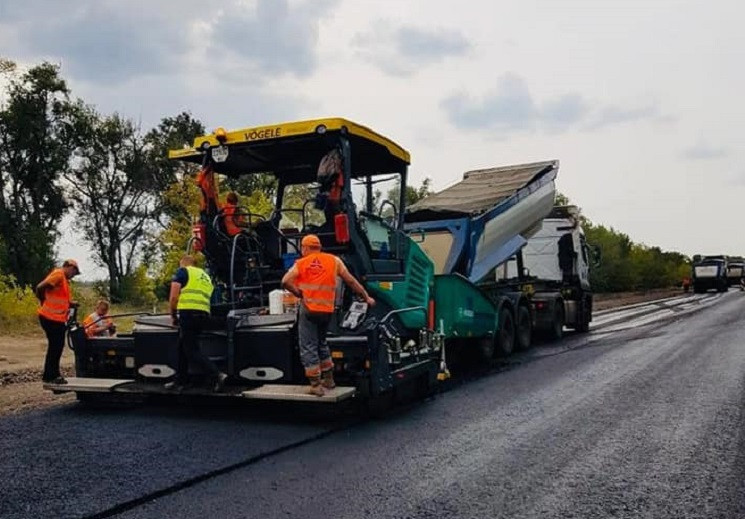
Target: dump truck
710,272
328,174
554,270
489,229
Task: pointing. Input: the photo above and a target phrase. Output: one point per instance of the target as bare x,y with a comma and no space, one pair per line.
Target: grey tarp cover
479,191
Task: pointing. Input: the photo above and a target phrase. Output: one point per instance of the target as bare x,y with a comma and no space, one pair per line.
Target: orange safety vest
230,218
208,186
56,303
93,330
317,279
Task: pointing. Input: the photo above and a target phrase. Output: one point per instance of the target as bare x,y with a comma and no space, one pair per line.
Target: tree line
60,157
626,265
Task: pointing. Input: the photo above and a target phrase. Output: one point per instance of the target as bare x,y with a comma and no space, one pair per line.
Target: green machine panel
413,291
462,308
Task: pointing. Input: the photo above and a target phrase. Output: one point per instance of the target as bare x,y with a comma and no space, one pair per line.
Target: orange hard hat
311,240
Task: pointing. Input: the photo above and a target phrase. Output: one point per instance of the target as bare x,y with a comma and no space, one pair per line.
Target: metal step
298,393
89,385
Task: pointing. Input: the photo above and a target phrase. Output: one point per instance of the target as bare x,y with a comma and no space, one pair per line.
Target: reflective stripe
196,291
313,371
314,286
55,310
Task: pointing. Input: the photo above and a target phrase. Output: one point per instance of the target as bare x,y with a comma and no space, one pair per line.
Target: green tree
36,139
113,190
172,133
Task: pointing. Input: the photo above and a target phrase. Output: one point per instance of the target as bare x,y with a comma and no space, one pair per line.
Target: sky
639,100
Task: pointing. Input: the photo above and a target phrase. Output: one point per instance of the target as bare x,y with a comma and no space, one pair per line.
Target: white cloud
403,49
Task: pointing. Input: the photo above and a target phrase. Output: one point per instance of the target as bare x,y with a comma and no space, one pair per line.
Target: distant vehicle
710,272
735,270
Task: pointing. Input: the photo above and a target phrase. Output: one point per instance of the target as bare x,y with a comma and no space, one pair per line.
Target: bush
138,289
17,305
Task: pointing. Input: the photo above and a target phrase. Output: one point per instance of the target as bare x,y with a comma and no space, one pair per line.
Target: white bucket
275,302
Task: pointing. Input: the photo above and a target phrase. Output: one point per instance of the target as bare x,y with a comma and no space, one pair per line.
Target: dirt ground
21,359
606,301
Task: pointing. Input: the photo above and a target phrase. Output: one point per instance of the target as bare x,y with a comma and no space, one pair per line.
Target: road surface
643,417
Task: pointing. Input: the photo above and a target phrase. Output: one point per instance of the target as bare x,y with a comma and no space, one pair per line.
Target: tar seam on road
134,503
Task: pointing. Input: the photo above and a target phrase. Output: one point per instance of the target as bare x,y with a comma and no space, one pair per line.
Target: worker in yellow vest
191,290
313,280
55,298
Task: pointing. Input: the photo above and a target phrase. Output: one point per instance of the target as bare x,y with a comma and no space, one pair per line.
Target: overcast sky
640,100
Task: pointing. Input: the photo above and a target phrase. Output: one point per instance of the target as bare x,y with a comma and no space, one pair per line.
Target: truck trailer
326,173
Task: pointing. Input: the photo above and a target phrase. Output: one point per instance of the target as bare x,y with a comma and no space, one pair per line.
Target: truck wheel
583,321
524,328
505,342
697,290
556,332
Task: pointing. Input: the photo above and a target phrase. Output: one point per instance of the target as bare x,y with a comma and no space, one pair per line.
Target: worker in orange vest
55,298
313,280
235,221
99,324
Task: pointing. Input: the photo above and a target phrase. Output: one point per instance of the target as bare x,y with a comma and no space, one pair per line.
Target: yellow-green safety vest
195,295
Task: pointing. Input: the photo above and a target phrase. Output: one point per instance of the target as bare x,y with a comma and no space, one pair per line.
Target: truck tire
505,339
556,332
698,289
524,329
584,318
723,287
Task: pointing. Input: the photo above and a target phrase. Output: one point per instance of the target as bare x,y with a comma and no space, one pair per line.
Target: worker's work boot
327,379
315,386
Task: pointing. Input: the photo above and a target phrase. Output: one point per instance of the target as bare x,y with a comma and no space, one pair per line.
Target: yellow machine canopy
294,146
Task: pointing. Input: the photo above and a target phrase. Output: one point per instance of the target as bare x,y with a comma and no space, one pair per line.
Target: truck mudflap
282,392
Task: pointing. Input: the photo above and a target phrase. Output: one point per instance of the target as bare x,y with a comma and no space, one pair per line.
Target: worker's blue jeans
314,352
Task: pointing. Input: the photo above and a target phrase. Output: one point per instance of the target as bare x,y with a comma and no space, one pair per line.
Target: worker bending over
313,280
99,324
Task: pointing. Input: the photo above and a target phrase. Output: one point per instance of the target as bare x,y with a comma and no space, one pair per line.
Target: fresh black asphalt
644,422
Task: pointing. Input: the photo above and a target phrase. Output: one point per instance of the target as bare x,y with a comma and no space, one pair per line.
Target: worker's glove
112,329
174,320
74,304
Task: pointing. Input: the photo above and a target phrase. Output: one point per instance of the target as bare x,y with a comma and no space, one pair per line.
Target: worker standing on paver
313,280
233,217
98,323
191,290
56,300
